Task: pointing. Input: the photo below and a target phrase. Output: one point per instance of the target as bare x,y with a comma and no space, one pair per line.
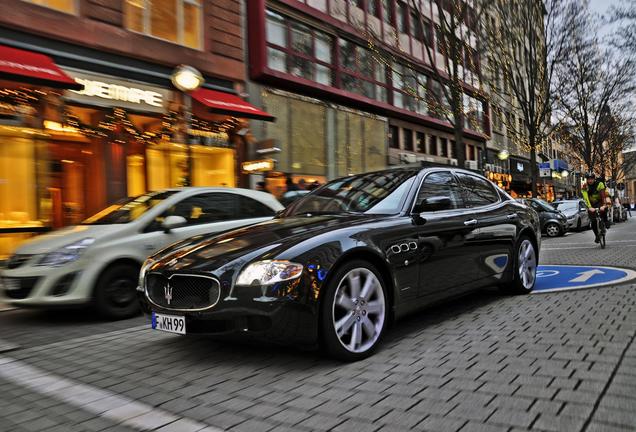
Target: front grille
18,260
182,291
19,288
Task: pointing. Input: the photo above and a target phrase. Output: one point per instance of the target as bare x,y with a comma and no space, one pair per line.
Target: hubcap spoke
356,336
375,307
344,324
368,288
354,285
345,302
369,329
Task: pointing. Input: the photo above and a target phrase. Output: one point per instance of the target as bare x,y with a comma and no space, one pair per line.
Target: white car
97,262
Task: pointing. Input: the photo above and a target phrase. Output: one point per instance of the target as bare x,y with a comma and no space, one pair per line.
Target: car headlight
66,254
269,272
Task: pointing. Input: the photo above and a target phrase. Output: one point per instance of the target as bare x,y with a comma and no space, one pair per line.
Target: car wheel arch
117,261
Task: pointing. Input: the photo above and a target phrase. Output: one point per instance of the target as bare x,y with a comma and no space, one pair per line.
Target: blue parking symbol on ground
565,277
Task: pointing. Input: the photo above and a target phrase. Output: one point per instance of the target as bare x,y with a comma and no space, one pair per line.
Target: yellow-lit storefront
67,154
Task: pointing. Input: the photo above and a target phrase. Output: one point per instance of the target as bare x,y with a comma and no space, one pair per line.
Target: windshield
128,209
377,193
544,204
566,205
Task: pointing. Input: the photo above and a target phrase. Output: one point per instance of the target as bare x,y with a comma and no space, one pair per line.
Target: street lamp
503,154
565,173
187,79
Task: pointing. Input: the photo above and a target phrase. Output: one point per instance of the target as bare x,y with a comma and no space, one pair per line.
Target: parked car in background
336,266
553,222
576,212
97,262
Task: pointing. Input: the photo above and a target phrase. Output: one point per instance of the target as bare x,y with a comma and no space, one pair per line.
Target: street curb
7,346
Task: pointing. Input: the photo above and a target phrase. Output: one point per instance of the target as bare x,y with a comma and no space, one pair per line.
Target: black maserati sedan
340,264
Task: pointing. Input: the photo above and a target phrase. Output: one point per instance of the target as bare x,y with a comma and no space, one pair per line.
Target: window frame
462,198
290,52
465,188
147,27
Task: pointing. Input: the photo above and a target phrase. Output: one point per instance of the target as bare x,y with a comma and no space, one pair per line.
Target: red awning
226,103
33,68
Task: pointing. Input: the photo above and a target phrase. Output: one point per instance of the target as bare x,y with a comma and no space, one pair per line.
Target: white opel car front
97,262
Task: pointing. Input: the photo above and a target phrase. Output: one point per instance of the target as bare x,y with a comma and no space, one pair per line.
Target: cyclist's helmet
589,175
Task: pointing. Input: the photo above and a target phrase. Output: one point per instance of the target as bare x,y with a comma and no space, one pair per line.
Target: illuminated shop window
68,6
177,21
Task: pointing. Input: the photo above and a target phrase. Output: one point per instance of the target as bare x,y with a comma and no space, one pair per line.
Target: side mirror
434,203
172,222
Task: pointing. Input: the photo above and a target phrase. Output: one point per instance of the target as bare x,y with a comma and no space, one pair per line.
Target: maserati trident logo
167,291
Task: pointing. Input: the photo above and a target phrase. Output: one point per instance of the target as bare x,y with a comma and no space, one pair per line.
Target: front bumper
35,286
251,314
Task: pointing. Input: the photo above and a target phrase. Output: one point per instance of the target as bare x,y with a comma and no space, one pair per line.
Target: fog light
63,285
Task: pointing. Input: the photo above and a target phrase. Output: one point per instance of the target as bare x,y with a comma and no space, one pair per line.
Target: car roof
263,197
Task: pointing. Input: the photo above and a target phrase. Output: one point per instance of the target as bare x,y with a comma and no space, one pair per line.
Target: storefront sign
545,172
258,166
104,90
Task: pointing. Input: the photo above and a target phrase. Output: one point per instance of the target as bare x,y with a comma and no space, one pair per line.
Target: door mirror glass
434,203
172,222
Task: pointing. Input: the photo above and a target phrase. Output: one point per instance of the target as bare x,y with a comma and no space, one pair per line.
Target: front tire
525,267
115,294
354,312
578,225
552,230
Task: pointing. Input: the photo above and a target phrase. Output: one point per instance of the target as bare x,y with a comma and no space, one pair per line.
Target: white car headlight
66,254
269,272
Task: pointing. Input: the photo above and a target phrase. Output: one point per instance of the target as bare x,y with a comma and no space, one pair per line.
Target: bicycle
601,229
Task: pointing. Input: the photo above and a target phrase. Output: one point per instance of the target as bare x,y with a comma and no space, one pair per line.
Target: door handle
512,216
470,222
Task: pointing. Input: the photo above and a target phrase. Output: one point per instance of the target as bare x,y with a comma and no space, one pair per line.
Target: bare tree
591,83
452,76
620,139
523,45
624,14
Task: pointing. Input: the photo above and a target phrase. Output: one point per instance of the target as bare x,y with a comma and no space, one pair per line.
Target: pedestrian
302,184
627,206
289,182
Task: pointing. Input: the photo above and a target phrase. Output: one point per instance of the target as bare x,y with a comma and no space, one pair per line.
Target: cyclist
594,195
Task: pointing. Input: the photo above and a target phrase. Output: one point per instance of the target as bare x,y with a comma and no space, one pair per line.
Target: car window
205,208
250,208
440,184
128,209
479,192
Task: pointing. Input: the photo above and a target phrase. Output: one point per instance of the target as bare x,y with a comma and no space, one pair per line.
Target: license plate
169,323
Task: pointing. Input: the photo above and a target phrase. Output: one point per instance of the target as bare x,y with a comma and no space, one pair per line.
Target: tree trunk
534,171
460,153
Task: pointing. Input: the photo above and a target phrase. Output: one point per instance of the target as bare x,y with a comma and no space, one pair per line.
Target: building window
420,142
402,17
299,50
394,137
408,140
443,147
68,6
177,21
388,11
373,8
421,29
360,73
433,145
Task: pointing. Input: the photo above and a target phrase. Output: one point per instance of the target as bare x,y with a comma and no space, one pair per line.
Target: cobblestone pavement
547,362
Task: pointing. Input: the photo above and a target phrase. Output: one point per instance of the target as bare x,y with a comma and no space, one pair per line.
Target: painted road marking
552,278
102,403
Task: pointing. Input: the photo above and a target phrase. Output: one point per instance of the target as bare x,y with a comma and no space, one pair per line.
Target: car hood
65,236
267,240
569,211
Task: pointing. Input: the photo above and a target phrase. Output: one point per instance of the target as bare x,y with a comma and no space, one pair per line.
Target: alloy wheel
527,262
359,310
552,230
